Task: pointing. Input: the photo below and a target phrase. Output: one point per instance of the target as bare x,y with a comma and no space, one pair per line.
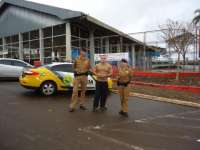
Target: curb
163,99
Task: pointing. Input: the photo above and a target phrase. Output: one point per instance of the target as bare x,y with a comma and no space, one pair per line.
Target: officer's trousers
101,94
124,93
82,81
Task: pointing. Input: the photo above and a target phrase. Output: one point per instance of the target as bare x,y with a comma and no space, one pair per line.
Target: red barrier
189,74
193,89
159,74
172,74
153,74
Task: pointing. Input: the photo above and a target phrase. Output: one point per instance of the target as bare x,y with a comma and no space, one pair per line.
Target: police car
52,78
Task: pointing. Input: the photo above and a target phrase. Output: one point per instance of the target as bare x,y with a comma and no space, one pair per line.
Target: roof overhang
100,23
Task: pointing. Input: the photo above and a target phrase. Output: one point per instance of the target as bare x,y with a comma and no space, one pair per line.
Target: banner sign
112,56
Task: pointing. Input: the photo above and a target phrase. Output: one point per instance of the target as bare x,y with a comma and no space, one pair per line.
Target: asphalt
29,121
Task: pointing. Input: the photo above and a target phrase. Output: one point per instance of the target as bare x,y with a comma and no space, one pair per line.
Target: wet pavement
29,121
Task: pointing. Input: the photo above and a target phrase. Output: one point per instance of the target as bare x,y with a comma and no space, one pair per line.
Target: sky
131,16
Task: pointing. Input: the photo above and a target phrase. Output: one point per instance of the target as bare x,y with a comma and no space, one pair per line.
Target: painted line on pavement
115,141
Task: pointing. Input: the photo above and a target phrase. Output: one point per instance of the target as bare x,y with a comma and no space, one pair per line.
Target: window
26,45
8,39
1,61
54,41
59,41
1,41
15,38
113,49
47,32
34,34
26,50
59,30
34,44
97,50
25,36
31,46
63,68
68,68
48,55
6,62
48,42
19,63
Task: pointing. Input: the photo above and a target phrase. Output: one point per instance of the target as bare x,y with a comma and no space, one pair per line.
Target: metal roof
61,13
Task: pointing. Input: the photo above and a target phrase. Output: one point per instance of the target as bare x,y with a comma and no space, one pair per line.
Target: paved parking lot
29,121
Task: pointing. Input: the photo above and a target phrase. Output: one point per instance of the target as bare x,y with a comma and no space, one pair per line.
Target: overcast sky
131,15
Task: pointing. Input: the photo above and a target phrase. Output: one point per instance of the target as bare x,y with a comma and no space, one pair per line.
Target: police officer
81,68
102,70
123,80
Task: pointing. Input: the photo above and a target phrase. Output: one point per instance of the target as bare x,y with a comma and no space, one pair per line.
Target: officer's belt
123,83
80,74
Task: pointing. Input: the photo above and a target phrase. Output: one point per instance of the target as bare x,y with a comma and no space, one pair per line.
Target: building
32,32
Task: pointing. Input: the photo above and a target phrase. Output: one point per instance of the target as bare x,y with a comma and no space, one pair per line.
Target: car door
18,67
6,68
65,73
2,68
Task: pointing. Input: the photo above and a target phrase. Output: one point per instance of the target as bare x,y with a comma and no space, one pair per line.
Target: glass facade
31,46
54,40
100,46
11,47
53,44
79,38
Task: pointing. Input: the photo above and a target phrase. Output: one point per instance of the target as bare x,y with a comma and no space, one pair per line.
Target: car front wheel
48,88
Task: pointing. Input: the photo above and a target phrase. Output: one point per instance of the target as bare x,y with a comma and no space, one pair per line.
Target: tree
179,36
196,19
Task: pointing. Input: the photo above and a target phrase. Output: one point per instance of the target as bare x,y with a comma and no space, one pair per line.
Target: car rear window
62,68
